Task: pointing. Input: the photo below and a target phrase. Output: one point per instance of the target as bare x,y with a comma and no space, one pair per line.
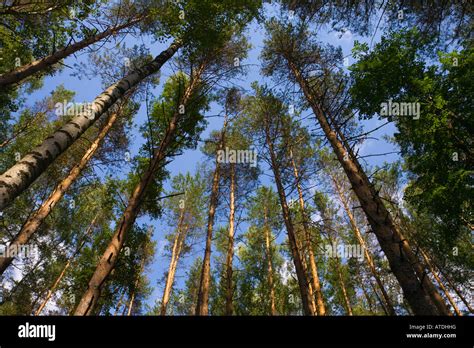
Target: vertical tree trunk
268,252
417,287
21,73
119,303
347,303
202,306
300,272
21,175
320,307
229,308
34,222
360,239
66,267
175,254
110,256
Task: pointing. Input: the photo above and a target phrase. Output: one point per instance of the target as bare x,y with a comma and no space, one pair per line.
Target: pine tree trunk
110,256
269,257
66,267
320,307
360,239
34,222
175,254
229,308
25,71
417,287
202,306
300,272
21,175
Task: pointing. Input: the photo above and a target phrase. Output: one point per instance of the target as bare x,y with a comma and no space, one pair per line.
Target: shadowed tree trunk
21,175
34,222
320,307
417,287
202,306
268,252
303,282
360,239
23,72
110,256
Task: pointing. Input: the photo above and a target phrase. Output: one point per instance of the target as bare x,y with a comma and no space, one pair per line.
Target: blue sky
87,89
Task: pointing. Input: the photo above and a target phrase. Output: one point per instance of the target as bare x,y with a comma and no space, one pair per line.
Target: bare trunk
417,287
202,307
21,175
347,303
269,257
300,272
229,308
110,256
25,71
175,254
66,267
34,222
320,307
368,256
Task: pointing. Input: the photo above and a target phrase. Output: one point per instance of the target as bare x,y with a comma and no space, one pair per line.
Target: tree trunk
202,306
269,257
110,256
175,254
34,222
66,267
300,272
417,287
21,175
320,307
360,239
21,73
343,287
229,308
21,130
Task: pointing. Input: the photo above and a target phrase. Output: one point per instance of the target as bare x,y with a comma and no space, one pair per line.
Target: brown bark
417,287
21,175
175,254
110,256
320,307
66,267
202,306
21,73
303,282
269,257
229,307
34,222
360,239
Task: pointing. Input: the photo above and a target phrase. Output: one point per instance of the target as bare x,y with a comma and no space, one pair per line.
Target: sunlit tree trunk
268,252
229,308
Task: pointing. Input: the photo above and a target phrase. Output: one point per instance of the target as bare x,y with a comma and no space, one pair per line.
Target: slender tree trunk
21,130
34,222
202,306
66,267
440,283
119,303
110,256
269,257
300,272
229,307
21,73
21,175
360,239
320,307
300,246
417,287
175,254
